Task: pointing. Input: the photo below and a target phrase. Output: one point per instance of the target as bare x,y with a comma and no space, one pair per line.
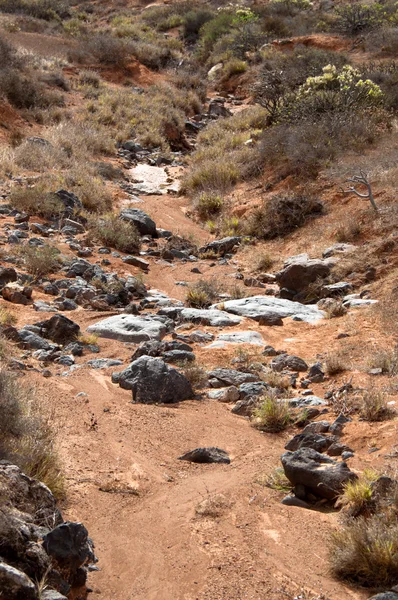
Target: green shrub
355,18
36,200
273,415
111,231
282,214
193,21
208,205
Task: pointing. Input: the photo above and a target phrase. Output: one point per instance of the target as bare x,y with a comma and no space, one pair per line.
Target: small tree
361,179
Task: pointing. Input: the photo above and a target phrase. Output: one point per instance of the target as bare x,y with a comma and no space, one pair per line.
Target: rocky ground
167,467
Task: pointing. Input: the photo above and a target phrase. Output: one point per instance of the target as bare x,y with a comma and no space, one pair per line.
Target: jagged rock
70,201
303,401
152,380
157,348
136,262
385,596
59,329
212,317
256,388
207,455
139,218
174,356
321,475
130,328
315,373
15,585
229,394
338,248
317,427
336,290
245,406
17,294
267,308
7,275
104,363
300,271
288,362
33,340
221,247
337,449
69,545
315,441
232,377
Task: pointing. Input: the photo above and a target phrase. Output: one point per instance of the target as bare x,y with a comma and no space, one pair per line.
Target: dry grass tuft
27,435
40,261
374,406
336,362
276,480
213,506
273,415
111,231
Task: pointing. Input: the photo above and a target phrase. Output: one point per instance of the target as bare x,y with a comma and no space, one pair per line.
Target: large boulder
131,328
59,329
139,218
269,310
319,474
300,271
152,381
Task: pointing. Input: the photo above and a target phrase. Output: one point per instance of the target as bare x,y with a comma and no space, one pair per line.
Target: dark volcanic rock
69,545
152,380
59,329
318,473
139,218
207,455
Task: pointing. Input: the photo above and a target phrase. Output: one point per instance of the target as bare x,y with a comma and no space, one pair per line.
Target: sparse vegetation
27,437
215,505
276,480
272,415
40,261
374,406
202,293
208,205
334,309
7,319
336,362
357,494
263,262
283,214
111,231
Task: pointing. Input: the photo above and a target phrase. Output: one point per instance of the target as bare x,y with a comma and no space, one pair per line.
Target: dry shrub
386,311
7,318
334,308
348,230
336,362
283,214
195,374
37,199
272,415
202,293
365,551
111,231
47,10
90,189
27,436
213,506
262,262
40,261
374,406
386,360
104,49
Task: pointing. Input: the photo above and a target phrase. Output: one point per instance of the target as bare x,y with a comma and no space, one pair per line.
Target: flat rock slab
152,181
238,337
262,308
130,328
212,317
207,455
303,401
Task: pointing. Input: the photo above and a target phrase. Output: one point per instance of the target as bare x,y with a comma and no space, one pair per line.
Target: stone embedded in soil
317,442
319,474
300,271
130,328
302,401
152,381
207,455
231,377
229,394
59,329
135,261
17,294
289,362
212,317
221,247
263,307
238,337
152,180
